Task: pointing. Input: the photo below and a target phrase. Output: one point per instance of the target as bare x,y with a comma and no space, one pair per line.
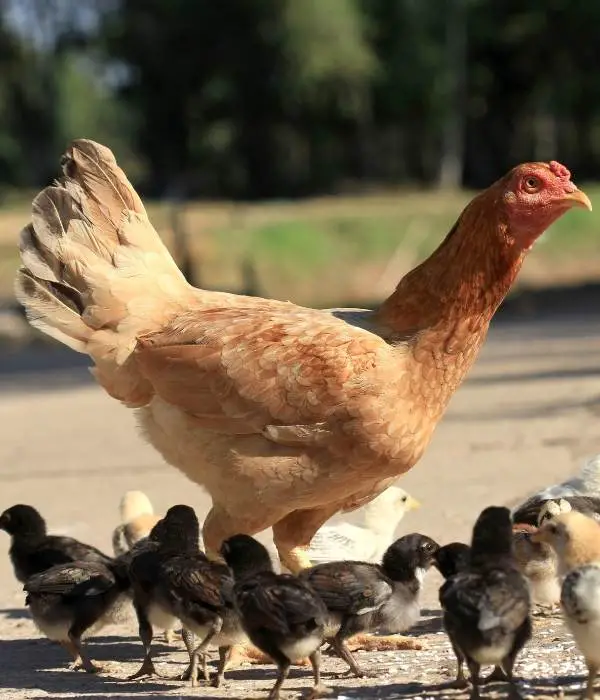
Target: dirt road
527,416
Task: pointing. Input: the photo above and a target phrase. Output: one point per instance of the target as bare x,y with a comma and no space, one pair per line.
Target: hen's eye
532,184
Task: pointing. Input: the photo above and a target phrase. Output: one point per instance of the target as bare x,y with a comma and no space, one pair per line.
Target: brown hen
285,414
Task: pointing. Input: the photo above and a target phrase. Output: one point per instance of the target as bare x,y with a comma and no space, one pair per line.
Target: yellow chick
137,519
576,540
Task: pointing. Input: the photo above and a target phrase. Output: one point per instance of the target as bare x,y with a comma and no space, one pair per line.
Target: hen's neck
441,310
466,277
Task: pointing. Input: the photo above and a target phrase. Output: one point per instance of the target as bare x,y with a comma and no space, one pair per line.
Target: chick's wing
350,587
497,600
272,369
278,604
75,579
197,580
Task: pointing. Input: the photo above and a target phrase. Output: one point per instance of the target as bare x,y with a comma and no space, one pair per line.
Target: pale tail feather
95,274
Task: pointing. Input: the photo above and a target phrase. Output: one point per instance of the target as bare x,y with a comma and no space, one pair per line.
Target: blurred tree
277,98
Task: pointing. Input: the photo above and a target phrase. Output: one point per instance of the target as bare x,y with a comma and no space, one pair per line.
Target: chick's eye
531,183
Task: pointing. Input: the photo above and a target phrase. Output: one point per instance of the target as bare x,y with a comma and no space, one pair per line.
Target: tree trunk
451,160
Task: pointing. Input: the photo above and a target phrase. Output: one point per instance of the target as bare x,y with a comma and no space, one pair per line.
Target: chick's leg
474,669
145,631
588,694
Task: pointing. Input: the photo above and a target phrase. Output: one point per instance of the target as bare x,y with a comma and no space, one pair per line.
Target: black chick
172,578
281,615
32,550
70,601
452,558
365,597
486,608
529,511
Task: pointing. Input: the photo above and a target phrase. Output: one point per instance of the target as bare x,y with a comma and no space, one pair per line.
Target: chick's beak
578,199
412,503
538,536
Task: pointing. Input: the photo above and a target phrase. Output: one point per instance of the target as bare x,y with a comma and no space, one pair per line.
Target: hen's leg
218,526
292,535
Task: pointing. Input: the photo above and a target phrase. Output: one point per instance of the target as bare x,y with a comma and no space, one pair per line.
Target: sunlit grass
332,249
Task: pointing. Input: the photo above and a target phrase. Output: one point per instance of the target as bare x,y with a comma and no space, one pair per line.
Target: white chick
369,542
576,540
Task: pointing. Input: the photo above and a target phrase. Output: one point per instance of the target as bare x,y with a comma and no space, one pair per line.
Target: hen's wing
67,580
354,588
288,373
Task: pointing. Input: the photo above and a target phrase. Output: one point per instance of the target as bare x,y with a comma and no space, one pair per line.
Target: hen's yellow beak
579,199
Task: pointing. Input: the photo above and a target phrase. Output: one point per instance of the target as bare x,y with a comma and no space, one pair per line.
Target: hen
286,415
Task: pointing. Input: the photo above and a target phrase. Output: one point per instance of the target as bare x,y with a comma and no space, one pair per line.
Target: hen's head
535,195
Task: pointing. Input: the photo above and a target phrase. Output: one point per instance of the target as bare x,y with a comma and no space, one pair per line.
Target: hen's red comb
560,170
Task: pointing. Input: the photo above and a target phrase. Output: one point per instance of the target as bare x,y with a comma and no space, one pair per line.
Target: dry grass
331,249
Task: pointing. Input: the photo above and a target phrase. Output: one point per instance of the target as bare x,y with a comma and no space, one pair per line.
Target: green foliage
254,99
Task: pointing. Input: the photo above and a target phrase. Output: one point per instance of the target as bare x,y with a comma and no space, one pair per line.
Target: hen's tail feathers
95,274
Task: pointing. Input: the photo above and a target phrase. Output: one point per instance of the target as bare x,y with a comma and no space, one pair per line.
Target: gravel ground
527,416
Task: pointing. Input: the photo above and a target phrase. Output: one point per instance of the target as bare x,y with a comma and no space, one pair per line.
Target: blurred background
279,141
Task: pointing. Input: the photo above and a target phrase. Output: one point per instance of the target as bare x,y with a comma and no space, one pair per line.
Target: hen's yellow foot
392,642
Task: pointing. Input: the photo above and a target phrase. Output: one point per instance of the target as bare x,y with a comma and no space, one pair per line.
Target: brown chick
537,562
575,538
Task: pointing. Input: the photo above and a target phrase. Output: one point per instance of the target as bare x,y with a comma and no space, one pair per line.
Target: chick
578,543
452,558
486,607
576,540
281,615
366,597
173,579
537,562
75,600
368,542
137,519
33,550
